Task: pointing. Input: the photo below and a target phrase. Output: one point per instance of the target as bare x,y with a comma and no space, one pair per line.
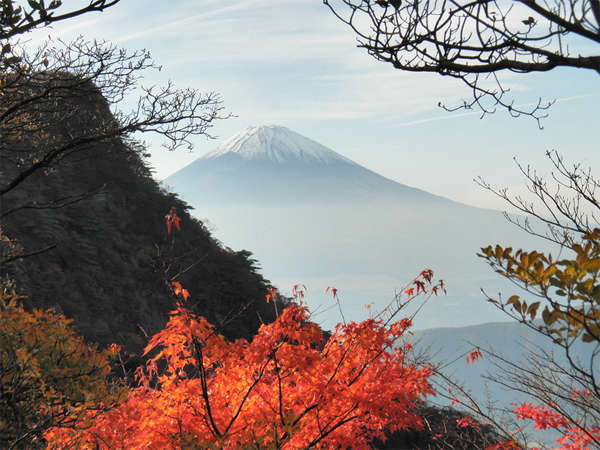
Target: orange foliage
573,438
288,388
172,220
474,355
48,375
179,290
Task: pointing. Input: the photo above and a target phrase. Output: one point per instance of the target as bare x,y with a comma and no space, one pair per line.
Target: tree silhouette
59,104
19,19
476,40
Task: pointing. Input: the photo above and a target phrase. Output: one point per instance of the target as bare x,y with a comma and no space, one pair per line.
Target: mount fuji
313,216
277,144
275,165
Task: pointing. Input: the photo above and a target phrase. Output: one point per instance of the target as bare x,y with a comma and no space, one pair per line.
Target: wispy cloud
577,97
316,71
448,116
451,116
180,25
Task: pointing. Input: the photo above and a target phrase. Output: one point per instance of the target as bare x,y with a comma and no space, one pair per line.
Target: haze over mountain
513,341
275,165
312,216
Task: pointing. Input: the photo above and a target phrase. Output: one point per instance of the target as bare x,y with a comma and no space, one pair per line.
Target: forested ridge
108,252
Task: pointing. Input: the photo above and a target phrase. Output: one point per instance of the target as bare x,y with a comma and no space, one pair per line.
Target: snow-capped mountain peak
277,144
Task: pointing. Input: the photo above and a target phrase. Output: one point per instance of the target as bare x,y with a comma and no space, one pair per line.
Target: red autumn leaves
288,388
179,290
172,220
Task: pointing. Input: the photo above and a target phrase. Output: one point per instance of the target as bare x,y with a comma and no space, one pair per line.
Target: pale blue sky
292,63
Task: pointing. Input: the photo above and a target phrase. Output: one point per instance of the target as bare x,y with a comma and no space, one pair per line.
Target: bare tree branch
476,40
16,20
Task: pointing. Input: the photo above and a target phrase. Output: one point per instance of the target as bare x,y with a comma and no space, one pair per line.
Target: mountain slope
112,255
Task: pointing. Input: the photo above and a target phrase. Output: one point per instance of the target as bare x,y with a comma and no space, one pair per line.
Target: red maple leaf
172,219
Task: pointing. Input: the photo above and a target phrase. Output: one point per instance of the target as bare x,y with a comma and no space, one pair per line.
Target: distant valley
312,216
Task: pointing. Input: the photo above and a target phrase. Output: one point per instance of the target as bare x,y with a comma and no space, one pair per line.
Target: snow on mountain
273,164
278,144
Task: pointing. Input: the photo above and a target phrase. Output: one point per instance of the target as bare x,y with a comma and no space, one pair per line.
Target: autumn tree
560,299
287,388
476,41
48,375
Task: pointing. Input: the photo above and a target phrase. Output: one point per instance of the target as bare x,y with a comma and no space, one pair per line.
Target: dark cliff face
112,254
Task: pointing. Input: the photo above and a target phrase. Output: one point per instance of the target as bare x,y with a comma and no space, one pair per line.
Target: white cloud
178,26
478,113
